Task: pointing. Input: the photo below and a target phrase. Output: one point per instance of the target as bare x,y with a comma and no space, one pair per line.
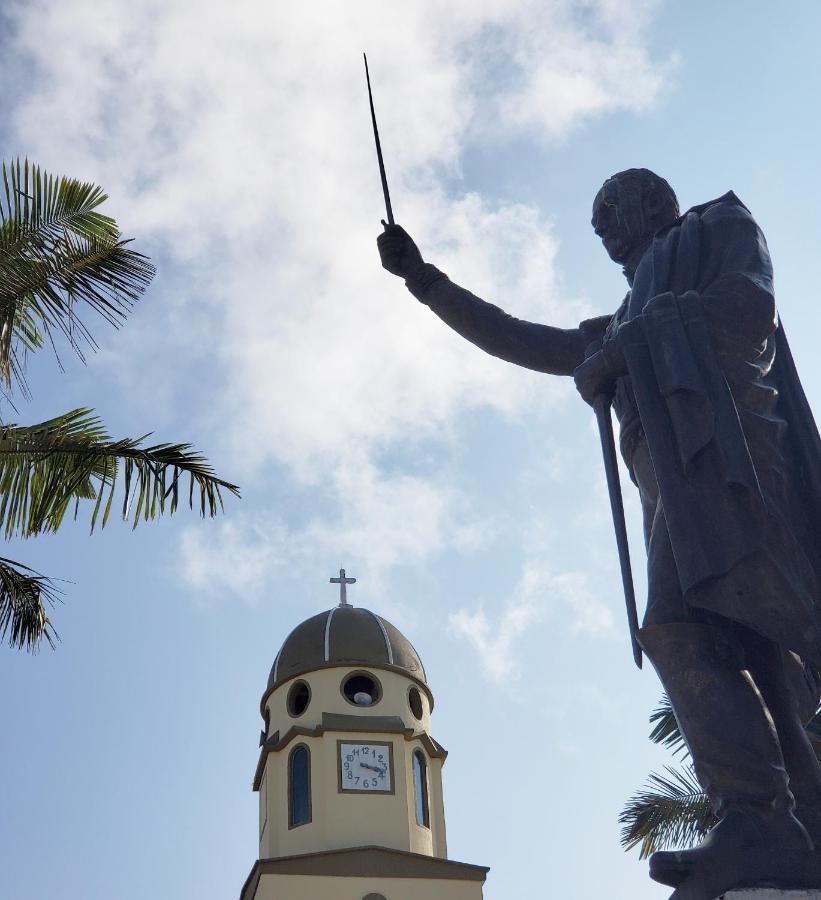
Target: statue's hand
400,256
598,373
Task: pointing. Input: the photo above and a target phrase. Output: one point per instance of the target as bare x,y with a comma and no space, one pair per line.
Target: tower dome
345,636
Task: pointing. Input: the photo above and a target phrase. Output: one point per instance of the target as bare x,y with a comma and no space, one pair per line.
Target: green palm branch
25,597
59,257
665,727
51,468
671,810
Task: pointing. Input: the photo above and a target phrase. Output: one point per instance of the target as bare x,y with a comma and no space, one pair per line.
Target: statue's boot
734,747
791,695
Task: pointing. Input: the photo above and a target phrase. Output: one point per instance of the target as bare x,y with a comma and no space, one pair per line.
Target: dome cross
343,582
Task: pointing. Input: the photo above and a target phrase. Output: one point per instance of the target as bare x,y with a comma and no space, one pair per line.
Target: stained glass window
299,786
420,784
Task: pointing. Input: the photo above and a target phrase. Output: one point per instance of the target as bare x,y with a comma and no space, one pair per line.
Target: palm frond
34,200
58,256
665,730
669,811
25,596
49,468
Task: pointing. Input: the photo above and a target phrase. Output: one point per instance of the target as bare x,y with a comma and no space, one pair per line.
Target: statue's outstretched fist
399,254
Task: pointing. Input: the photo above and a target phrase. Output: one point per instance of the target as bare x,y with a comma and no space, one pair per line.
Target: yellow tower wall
326,696
312,887
363,873
340,819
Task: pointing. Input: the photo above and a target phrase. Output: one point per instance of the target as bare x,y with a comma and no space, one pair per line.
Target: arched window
299,786
420,786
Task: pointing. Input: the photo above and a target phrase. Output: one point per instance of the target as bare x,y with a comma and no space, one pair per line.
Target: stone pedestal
771,894
800,870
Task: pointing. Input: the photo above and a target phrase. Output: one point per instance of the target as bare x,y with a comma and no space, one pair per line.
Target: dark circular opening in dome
415,703
361,689
299,696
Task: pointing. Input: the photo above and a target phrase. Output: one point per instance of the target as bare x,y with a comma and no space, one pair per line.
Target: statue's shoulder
724,210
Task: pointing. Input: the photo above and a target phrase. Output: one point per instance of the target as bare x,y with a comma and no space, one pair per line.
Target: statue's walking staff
601,405
379,148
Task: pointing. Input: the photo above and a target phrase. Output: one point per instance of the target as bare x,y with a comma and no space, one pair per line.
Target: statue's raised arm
557,351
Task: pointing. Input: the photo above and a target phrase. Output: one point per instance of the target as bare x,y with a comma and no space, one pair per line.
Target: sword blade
382,175
608,445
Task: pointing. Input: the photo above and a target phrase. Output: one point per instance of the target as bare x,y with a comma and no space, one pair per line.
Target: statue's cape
804,442
709,267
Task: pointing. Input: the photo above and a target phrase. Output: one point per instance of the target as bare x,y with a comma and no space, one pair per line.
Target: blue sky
465,495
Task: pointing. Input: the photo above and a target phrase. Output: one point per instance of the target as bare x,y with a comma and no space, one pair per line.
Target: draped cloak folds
713,389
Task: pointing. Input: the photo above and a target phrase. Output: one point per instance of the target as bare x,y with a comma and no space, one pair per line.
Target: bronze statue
718,437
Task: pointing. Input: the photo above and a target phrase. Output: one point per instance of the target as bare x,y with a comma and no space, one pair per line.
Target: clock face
365,768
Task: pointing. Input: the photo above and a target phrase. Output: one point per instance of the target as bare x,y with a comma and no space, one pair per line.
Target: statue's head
629,209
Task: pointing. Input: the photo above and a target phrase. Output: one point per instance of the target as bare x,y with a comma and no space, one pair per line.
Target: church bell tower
349,776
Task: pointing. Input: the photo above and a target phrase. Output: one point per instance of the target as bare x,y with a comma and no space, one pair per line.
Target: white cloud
539,594
234,556
566,63
237,137
383,521
356,362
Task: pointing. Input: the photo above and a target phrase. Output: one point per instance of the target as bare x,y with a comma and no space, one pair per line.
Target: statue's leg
721,714
791,693
733,744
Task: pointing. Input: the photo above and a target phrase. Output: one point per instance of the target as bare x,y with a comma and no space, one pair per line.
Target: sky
465,495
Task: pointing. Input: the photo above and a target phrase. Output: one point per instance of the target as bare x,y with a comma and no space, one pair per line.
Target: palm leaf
666,731
25,597
669,811
59,255
49,468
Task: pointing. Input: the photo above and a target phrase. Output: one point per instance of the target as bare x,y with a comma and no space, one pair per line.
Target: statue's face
618,221
626,215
